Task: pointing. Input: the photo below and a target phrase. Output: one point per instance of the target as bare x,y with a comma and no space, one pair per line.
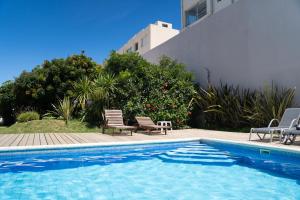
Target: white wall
160,35
152,36
142,35
250,43
213,6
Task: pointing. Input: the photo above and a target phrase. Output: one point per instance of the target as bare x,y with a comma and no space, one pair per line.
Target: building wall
150,37
160,35
250,43
213,6
144,46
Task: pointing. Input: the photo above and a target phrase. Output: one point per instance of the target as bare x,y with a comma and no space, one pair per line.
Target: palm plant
63,109
105,87
83,90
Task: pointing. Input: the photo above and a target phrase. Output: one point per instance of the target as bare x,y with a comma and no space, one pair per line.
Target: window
195,13
136,46
165,25
218,1
129,50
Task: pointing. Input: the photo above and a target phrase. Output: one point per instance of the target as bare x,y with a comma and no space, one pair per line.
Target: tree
52,80
7,103
161,91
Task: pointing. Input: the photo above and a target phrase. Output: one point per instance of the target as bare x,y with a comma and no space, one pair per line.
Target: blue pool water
186,170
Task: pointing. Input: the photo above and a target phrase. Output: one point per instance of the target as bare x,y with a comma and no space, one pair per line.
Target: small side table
165,123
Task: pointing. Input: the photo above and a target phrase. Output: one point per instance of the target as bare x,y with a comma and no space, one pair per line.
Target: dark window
136,46
165,25
129,50
195,13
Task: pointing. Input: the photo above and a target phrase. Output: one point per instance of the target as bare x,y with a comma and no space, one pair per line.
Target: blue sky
32,31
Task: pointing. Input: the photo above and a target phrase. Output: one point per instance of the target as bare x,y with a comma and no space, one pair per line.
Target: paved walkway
38,139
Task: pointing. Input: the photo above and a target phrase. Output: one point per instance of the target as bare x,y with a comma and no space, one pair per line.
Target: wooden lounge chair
114,120
147,124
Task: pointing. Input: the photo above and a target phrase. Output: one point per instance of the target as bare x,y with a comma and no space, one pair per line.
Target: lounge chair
289,119
290,135
147,124
114,120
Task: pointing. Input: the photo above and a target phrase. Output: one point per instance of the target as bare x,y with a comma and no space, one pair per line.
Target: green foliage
233,107
82,91
63,110
269,104
52,80
28,116
160,91
50,126
7,102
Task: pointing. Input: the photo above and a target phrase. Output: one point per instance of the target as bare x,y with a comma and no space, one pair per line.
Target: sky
32,31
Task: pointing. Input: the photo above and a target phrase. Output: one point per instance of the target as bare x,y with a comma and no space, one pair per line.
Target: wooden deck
38,139
45,139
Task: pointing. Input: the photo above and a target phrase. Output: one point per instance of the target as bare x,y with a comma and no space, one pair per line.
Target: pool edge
104,144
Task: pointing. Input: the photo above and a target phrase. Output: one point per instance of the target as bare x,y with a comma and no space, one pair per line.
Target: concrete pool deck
36,140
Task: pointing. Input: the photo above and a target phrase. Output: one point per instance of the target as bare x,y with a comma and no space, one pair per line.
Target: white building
194,10
249,43
149,38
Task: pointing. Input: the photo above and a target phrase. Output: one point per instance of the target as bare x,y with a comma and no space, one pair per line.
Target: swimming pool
204,169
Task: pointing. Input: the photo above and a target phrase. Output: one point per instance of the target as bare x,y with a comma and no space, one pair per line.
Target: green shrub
161,91
63,110
233,107
28,116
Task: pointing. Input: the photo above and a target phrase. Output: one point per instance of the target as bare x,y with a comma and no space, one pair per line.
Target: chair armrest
271,122
292,123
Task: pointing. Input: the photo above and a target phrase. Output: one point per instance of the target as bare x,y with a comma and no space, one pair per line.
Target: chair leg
294,138
259,136
250,134
271,138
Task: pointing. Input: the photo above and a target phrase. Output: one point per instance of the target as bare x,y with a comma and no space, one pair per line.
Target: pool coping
161,141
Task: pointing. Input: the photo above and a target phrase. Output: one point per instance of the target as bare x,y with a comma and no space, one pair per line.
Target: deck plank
43,139
60,139
4,138
10,140
48,139
94,137
66,139
54,139
82,139
17,140
73,140
36,140
30,139
24,140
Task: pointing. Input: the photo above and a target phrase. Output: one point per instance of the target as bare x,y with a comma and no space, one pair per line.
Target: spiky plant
269,104
63,109
105,87
83,90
